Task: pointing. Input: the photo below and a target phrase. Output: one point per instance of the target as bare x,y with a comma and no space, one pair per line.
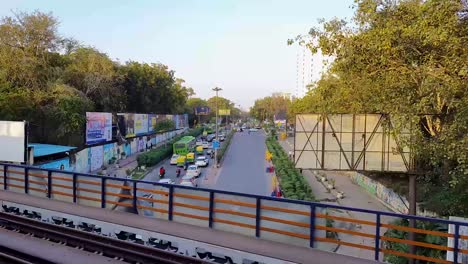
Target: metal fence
288,221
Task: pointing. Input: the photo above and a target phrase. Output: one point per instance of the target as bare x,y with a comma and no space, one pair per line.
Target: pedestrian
290,154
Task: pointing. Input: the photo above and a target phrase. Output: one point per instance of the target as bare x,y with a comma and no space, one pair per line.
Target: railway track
106,246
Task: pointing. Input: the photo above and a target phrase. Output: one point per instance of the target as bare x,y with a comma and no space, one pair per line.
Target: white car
174,159
193,171
166,181
253,129
189,183
206,145
201,161
199,143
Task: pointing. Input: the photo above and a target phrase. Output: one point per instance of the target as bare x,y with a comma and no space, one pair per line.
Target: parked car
206,145
193,170
209,151
222,138
166,181
189,183
174,159
202,161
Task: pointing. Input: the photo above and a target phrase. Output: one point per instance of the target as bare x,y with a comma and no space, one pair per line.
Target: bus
184,145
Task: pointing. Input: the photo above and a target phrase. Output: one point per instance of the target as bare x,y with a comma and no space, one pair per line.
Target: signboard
98,127
13,141
215,144
224,112
151,122
202,110
141,124
349,142
127,125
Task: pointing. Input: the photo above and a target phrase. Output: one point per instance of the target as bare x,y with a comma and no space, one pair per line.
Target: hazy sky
238,45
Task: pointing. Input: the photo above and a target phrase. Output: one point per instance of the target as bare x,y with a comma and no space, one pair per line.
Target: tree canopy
268,107
409,59
51,81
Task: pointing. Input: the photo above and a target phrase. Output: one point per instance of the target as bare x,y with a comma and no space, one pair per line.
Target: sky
238,45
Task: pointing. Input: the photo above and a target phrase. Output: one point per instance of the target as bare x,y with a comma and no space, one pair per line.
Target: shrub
293,183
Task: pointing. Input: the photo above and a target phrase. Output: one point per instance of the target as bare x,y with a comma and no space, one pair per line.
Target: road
243,169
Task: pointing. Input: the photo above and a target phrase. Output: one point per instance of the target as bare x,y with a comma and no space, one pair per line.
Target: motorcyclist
178,172
162,172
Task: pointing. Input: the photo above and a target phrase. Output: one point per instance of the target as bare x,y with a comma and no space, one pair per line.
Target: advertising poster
82,161
141,124
96,157
98,127
141,144
186,121
202,110
134,145
109,152
175,119
127,121
127,149
160,118
151,122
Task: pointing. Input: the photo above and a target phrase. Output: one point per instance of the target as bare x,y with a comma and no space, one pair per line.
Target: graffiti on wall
109,152
96,157
368,184
82,161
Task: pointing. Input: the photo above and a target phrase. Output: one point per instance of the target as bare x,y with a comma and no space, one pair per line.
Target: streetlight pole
216,89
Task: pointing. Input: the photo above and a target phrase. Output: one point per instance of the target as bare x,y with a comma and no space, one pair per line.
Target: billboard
98,127
141,124
360,142
224,112
202,110
151,122
127,124
13,141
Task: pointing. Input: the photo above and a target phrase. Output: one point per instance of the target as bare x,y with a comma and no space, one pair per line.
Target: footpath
354,196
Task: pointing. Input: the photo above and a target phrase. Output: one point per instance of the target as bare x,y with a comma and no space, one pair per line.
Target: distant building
309,69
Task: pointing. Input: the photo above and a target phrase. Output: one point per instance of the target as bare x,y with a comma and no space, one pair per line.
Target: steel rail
8,255
110,247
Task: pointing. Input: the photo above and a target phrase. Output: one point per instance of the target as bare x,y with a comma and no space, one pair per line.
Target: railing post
74,187
377,237
5,169
103,192
312,226
135,197
26,180
456,237
210,216
171,199
257,218
49,184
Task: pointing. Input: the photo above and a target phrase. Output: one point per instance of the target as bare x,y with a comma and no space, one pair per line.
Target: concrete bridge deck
280,251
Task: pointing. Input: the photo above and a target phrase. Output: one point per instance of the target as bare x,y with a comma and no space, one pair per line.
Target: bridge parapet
282,220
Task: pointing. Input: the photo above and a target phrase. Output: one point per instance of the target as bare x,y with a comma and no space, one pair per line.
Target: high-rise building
309,69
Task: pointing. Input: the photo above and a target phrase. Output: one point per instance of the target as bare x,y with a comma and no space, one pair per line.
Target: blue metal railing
9,174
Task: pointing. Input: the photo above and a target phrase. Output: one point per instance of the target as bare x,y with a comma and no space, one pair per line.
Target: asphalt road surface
243,169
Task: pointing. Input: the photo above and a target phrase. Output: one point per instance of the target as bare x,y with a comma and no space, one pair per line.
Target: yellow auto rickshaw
191,157
181,161
199,150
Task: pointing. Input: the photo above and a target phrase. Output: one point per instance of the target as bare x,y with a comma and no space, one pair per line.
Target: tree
270,106
93,74
408,59
26,43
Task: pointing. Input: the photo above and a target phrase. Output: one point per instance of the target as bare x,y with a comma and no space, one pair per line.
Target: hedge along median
225,146
153,157
292,182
